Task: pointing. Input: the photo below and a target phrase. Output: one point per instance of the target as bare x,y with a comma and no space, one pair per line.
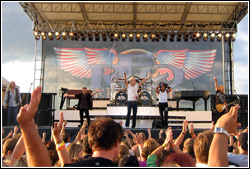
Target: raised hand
184,126
56,130
27,113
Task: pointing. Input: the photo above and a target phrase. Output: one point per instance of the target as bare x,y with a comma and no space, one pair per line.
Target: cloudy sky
18,45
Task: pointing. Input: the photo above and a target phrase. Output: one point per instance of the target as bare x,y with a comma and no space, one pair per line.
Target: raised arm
180,138
125,80
215,83
144,80
60,145
218,149
17,152
98,91
69,95
37,153
80,132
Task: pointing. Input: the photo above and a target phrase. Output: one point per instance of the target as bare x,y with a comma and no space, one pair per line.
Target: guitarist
220,96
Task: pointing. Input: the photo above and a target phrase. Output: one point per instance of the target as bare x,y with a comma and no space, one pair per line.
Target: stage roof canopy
135,16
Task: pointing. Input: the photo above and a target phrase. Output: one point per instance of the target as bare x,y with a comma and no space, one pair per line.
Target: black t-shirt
84,101
93,162
220,98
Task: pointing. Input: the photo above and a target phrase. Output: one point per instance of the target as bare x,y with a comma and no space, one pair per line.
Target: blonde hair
8,87
74,150
149,146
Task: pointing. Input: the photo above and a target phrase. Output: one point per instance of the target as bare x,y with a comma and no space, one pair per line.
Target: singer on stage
162,90
132,88
220,96
84,103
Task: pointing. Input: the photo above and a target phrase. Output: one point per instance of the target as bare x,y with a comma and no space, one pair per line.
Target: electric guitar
221,107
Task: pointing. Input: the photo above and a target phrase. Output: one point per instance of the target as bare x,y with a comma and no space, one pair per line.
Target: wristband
221,130
83,126
193,135
165,145
60,146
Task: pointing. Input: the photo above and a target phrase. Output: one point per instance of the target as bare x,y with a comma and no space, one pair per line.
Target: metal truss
34,11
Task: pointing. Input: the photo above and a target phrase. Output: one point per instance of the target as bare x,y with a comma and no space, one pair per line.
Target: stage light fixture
227,35
198,36
42,33
97,36
37,37
219,37
83,36
104,36
145,37
205,36
51,37
171,38
131,37
64,34
57,33
71,34
164,36
138,36
212,36
90,36
44,37
58,37
124,36
186,37
178,38
35,33
111,36
50,34
157,36
233,37
117,36
152,37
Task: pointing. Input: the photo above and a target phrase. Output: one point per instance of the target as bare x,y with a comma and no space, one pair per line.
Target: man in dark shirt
104,137
84,103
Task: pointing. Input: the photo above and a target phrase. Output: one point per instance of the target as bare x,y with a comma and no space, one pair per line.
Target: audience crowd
107,144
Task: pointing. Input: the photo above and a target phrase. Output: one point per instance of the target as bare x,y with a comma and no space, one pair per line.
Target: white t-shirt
132,92
163,97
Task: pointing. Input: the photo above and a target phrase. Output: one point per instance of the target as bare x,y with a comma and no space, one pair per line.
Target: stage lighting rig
58,37
104,36
124,36
117,36
234,37
227,35
37,37
205,36
36,33
57,33
219,37
111,36
145,37
90,36
164,36
42,33
97,36
83,36
131,37
44,37
178,38
138,36
212,36
171,38
186,37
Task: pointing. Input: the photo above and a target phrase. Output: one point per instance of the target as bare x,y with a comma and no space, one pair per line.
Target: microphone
193,85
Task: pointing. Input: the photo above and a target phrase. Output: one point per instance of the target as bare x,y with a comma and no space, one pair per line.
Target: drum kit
119,92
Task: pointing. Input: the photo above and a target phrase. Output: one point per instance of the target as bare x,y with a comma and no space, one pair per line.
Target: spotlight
178,38
51,37
158,37
131,37
152,37
90,36
71,34
58,37
44,37
233,37
219,37
171,38
97,36
198,36
138,35
117,36
186,37
212,36
57,33
35,33
124,36
145,37
104,36
165,36
64,34
50,34
111,36
205,36
37,37
42,33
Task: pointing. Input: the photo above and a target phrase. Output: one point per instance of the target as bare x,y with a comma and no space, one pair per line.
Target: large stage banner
101,64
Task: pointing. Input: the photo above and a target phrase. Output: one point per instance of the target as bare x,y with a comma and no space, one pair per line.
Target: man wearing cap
242,158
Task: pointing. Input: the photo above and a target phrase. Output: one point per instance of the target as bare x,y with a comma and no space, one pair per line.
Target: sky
18,54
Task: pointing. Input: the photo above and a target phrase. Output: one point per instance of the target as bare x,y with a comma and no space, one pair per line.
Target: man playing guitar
220,97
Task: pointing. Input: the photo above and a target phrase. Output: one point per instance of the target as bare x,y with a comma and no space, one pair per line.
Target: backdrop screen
100,65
